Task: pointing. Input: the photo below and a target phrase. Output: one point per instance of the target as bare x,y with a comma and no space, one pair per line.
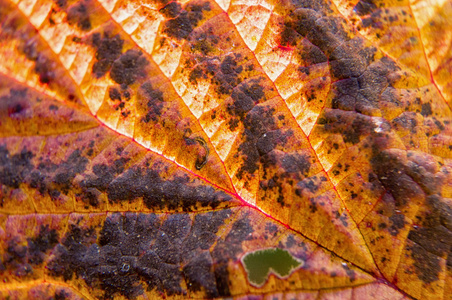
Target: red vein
432,78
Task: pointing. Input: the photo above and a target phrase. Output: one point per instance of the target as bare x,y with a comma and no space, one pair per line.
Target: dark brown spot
171,10
426,109
138,251
158,192
187,19
365,7
79,14
20,259
432,239
14,168
245,97
155,102
108,50
129,67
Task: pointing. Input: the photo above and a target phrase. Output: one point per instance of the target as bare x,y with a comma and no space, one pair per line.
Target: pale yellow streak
425,10
224,4
250,20
222,140
40,13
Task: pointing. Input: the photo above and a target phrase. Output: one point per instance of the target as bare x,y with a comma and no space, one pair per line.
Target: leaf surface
147,147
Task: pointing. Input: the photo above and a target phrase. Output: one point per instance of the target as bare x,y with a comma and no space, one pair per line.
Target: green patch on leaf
259,264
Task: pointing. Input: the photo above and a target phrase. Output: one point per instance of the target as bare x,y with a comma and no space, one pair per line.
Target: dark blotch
433,239
365,7
40,244
129,67
16,108
70,254
79,14
319,6
245,97
203,232
20,258
159,193
16,103
67,170
392,174
199,274
137,252
364,89
155,102
350,273
61,295
426,264
114,94
187,19
407,121
44,68
324,32
227,77
108,50
257,122
103,175
268,141
312,55
426,109
53,107
14,169
171,10
295,163
398,222
54,179
288,36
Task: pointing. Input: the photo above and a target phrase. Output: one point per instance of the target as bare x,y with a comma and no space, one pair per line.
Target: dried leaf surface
146,147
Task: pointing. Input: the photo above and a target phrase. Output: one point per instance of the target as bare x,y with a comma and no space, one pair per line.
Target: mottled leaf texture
245,149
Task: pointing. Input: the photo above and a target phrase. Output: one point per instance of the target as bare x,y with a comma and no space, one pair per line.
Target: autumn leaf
246,149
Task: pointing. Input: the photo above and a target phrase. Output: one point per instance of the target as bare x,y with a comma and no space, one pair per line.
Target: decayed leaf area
147,146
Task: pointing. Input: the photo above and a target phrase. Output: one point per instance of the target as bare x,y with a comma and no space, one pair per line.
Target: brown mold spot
21,259
129,67
432,239
155,102
257,122
391,173
46,177
135,252
78,14
365,7
14,168
426,109
228,77
186,19
159,193
245,97
108,50
171,10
